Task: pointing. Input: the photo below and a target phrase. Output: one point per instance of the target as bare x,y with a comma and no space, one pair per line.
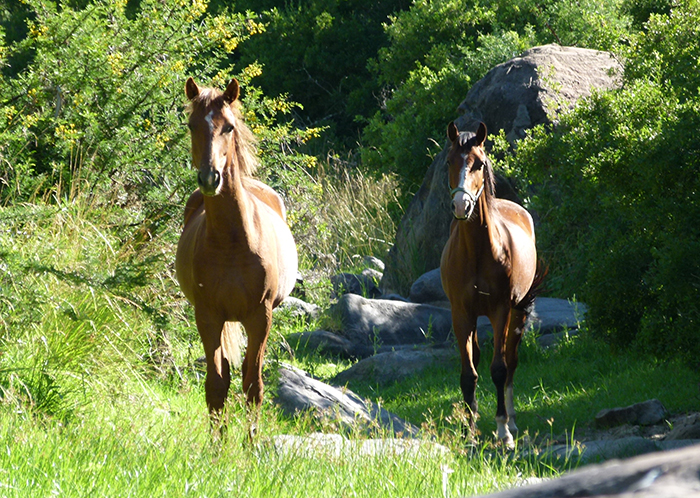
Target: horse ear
452,131
481,134
232,91
191,88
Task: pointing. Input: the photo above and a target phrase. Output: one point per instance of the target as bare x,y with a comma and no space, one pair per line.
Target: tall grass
101,393
87,408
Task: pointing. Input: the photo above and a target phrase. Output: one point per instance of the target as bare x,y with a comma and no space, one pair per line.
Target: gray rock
320,445
666,474
389,323
541,83
676,444
395,297
689,428
298,392
373,262
554,315
551,340
427,288
516,95
350,283
299,308
646,413
386,368
329,343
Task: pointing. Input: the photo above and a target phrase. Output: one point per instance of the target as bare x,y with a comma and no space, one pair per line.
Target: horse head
212,122
468,173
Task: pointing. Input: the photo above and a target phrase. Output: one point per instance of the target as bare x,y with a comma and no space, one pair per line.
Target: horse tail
232,343
527,303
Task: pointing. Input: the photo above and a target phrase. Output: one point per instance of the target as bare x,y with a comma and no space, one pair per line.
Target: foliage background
100,387
616,183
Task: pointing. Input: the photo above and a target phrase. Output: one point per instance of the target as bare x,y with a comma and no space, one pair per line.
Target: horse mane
245,141
489,177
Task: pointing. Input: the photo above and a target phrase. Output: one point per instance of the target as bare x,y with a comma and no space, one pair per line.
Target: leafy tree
317,52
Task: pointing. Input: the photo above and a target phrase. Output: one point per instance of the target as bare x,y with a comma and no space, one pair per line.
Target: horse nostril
217,178
200,182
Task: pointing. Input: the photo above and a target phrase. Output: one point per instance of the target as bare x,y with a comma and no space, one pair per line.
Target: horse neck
229,214
481,230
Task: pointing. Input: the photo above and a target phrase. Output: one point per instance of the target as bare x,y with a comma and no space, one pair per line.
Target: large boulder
514,96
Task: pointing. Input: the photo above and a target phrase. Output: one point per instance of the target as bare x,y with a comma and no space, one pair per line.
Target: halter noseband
473,198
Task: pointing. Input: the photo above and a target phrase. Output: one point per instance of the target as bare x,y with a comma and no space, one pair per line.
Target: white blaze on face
209,118
460,199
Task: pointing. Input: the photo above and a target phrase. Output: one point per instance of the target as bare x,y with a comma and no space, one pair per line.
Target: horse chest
472,274
228,279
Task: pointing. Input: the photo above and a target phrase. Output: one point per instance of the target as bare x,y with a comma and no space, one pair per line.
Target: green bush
317,52
98,107
615,185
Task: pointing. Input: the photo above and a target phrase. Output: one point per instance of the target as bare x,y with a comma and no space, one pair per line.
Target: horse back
266,194
519,244
270,212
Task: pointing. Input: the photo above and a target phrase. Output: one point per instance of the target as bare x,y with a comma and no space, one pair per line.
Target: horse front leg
464,327
218,377
499,374
258,330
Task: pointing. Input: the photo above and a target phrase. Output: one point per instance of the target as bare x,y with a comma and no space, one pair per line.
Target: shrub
616,186
98,106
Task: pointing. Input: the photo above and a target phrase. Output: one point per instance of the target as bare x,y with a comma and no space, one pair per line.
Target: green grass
100,394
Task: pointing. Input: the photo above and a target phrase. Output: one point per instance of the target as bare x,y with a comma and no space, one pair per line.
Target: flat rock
320,445
389,367
668,474
298,392
646,413
389,323
688,428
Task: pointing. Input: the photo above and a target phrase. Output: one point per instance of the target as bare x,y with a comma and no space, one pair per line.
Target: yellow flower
253,70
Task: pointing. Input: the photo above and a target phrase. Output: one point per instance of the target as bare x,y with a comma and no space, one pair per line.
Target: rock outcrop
514,96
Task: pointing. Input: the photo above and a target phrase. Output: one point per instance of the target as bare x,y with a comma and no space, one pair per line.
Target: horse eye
227,128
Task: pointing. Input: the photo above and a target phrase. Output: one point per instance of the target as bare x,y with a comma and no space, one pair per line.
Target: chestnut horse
236,258
488,267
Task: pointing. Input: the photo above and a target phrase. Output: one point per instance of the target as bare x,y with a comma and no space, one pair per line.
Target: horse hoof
252,431
508,443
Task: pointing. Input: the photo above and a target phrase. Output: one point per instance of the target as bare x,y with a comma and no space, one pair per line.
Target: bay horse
236,257
488,267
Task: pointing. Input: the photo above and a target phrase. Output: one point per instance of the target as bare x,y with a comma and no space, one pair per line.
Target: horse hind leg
516,328
499,375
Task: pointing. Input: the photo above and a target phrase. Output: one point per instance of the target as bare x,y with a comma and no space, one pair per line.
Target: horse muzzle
462,207
209,182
